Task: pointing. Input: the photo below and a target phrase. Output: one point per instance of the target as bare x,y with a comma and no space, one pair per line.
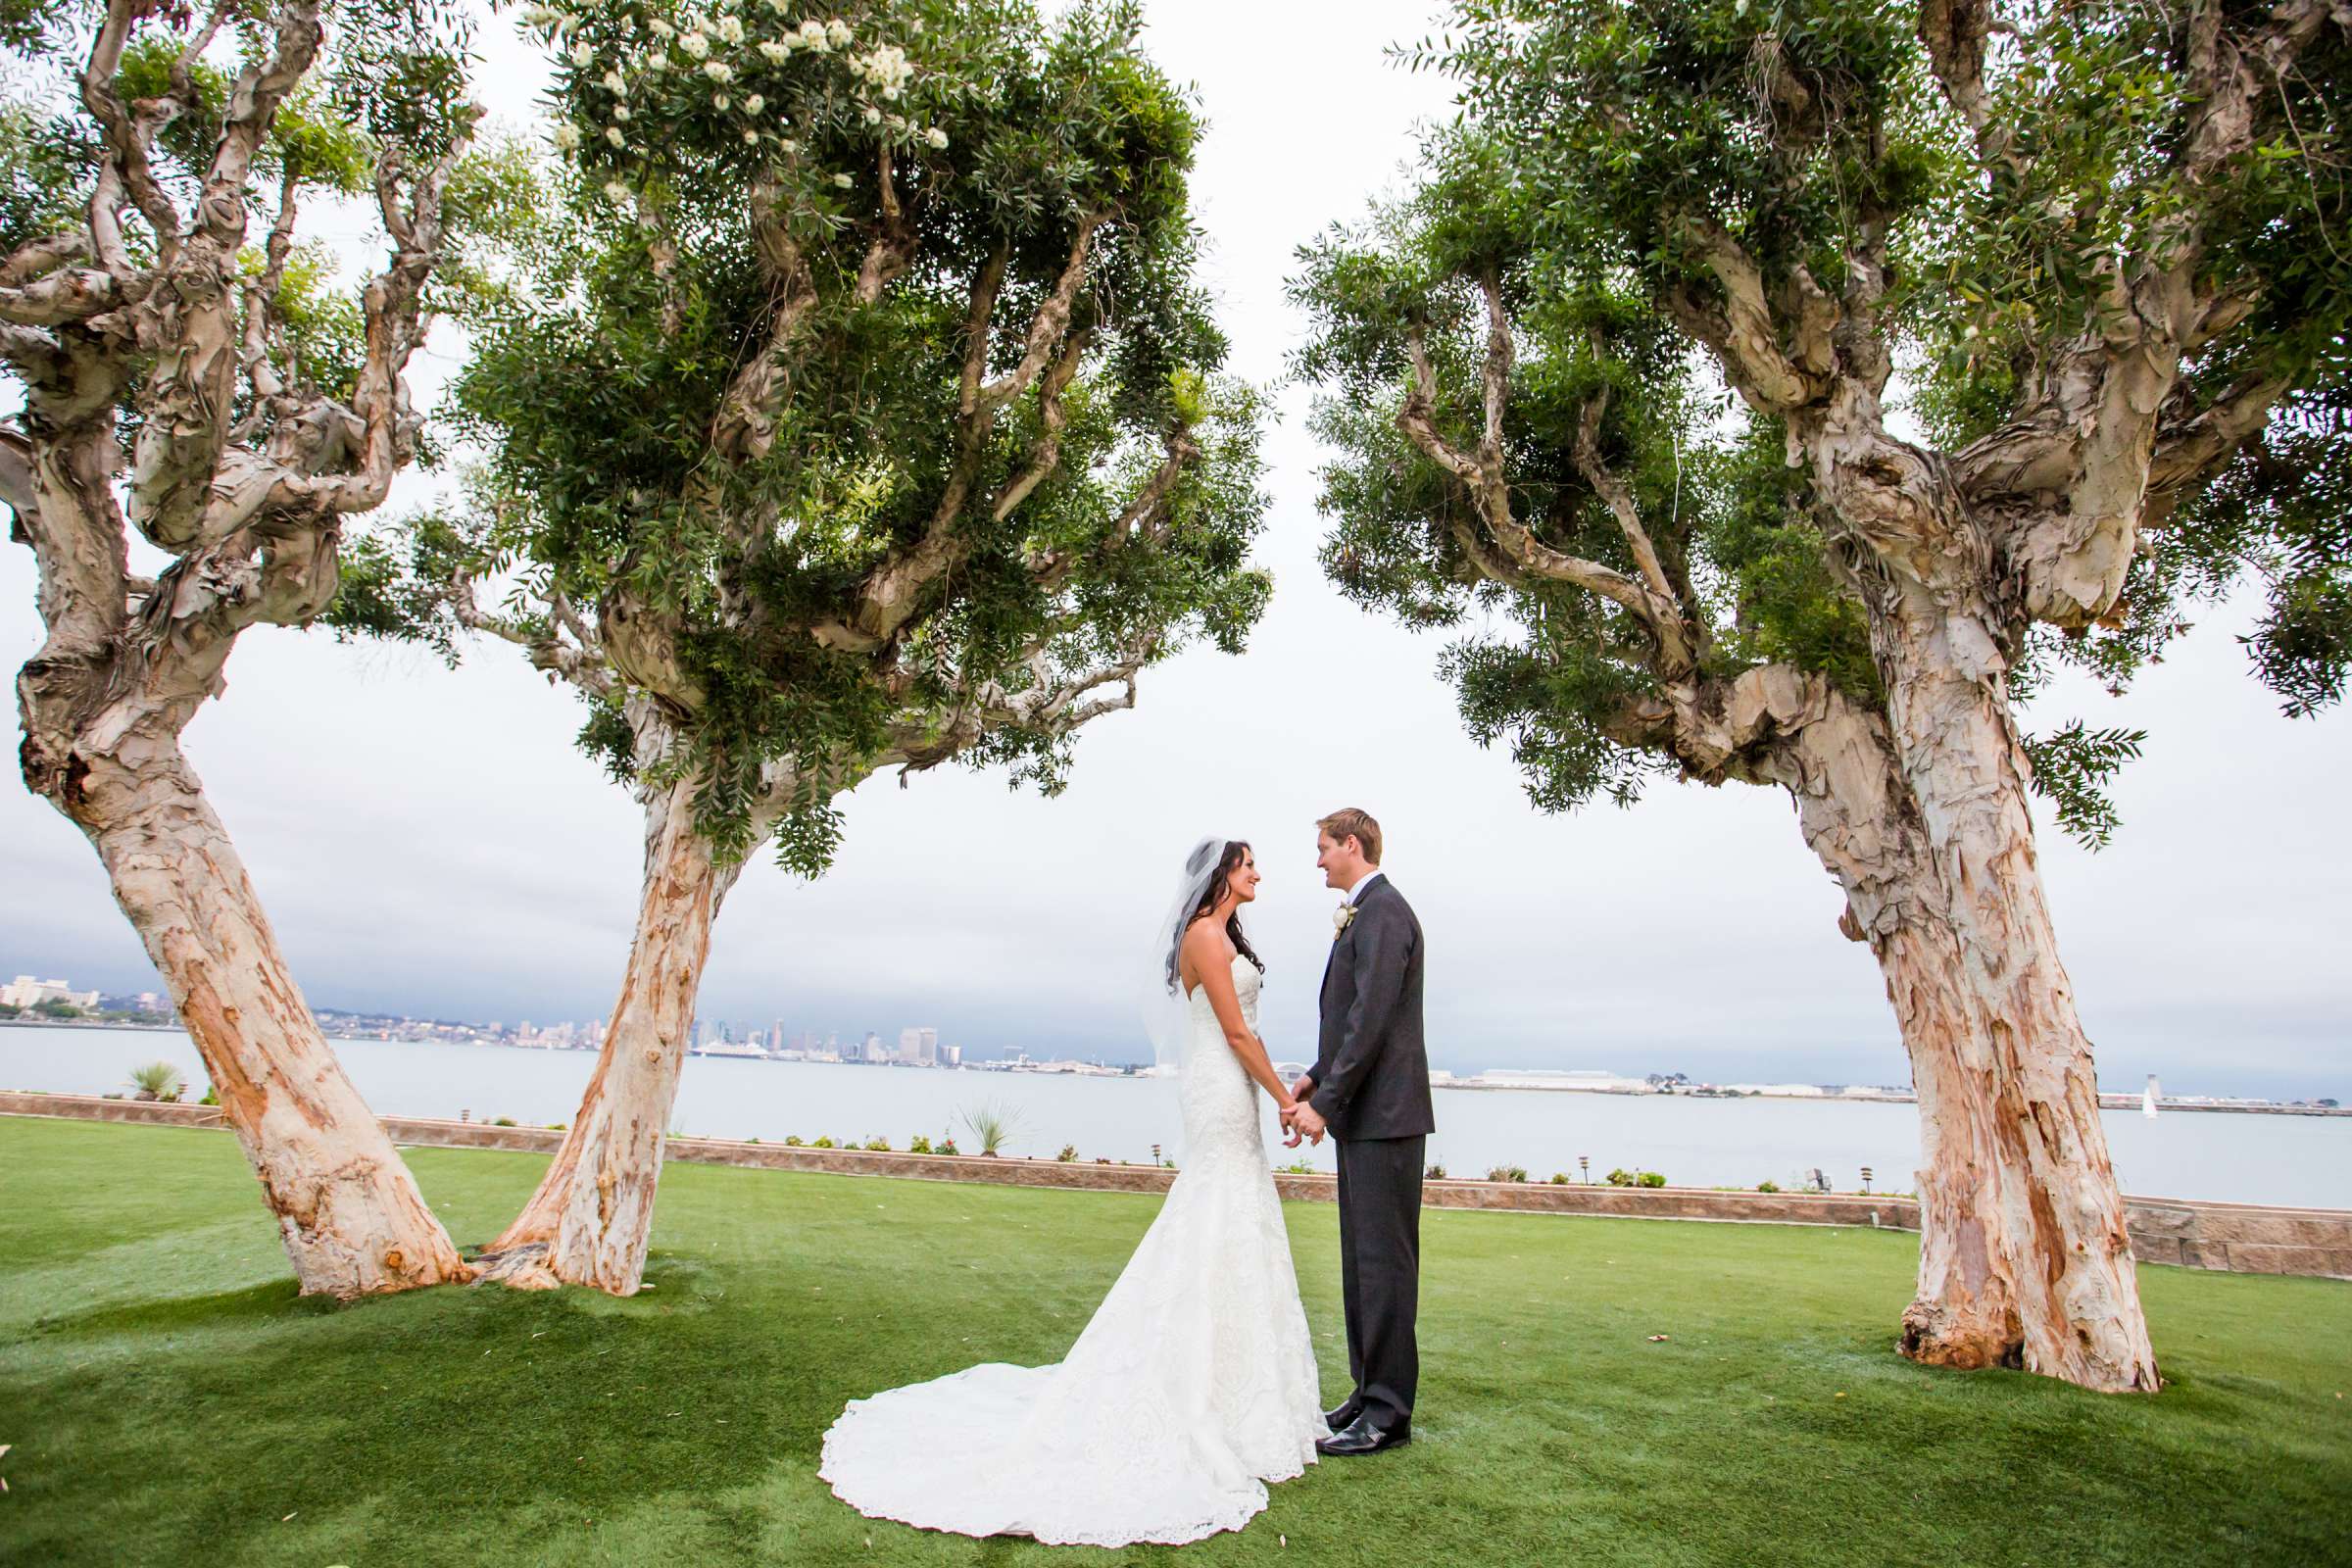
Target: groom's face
1341,863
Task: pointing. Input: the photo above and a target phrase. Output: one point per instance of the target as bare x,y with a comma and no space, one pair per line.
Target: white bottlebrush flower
749,137
844,181
617,193
813,37
621,112
719,101
662,29
789,145
873,115
719,71
777,53
730,30
936,137
567,138
753,103
613,83
613,134
887,69
914,23
582,52
838,32
695,45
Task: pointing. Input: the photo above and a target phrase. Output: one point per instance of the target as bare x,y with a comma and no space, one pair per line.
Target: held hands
1300,1120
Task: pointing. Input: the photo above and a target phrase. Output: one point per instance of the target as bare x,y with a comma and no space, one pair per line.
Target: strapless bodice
1245,981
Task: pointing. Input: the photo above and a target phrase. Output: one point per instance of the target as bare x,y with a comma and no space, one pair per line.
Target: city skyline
922,1046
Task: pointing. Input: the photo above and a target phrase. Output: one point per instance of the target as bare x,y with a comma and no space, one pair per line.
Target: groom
1369,1088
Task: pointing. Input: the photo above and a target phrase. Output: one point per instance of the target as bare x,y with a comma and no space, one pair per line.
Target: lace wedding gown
1194,1385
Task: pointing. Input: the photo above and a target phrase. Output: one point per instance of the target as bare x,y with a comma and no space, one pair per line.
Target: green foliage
1768,1187
993,1127
2072,766
156,1080
1651,1178
52,1007
708,165
1804,131
1620,1178
1729,521
1507,1173
920,1145
822,1143
1068,1154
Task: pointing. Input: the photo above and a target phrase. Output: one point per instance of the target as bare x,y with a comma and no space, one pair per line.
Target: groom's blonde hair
1349,821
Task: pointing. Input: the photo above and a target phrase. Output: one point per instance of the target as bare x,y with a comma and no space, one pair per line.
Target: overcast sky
430,841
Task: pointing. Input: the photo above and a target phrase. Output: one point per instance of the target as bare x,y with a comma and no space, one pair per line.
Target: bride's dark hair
1227,863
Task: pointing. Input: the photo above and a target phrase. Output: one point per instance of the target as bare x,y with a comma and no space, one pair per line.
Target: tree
2103,242
233,404
1514,443
856,411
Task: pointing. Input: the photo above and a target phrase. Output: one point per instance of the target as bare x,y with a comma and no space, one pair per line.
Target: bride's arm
1208,961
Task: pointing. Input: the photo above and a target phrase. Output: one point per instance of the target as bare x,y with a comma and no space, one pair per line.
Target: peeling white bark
589,1221
126,662
349,1212
2024,1255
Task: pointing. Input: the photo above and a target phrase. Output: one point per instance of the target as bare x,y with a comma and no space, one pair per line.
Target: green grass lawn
170,1401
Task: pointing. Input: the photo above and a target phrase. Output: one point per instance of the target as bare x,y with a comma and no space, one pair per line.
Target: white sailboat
2148,1098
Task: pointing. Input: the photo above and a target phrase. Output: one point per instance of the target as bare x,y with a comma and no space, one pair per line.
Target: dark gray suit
1371,1085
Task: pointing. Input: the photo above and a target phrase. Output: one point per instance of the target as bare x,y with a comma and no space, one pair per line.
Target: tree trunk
2024,1257
2002,1281
348,1210
588,1222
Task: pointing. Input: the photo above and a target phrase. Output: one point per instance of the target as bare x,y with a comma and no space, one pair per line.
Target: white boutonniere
1341,918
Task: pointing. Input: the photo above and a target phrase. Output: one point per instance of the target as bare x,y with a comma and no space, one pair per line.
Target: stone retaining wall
2242,1237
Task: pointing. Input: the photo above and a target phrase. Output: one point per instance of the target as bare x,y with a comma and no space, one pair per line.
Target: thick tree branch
2191,449
1045,454
894,243
185,401
744,428
1490,493
36,257
892,592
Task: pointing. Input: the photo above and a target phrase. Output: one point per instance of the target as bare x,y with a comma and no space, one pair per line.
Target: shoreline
2108,1101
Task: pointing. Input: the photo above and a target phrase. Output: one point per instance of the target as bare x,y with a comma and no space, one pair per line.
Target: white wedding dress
1194,1385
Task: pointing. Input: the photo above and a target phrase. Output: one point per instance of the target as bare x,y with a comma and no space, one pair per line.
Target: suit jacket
1371,1071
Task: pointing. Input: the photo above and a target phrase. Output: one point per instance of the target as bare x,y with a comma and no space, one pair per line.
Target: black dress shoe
1363,1437
1343,1417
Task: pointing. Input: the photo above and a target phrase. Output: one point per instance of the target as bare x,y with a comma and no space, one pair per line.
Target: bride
1195,1384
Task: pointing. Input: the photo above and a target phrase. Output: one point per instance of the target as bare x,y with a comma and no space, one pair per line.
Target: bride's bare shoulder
1205,946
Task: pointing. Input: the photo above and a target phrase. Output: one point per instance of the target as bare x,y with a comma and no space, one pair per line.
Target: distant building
870,1049
950,1056
1590,1080
28,993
